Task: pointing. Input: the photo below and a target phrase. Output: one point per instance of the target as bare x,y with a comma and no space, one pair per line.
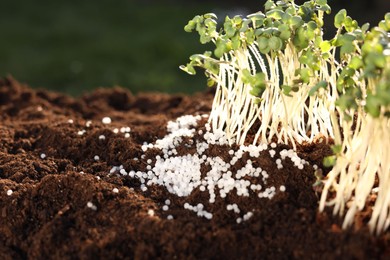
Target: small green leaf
205,39
387,17
256,92
285,32
336,148
275,43
269,5
250,36
321,84
340,18
257,19
237,20
348,37
373,104
347,48
222,47
188,68
329,161
305,74
365,27
346,102
236,42
325,8
246,76
296,21
311,25
325,46
322,2
275,14
211,66
210,82
245,25
286,90
210,16
301,40
295,89
356,63
262,42
350,25
190,26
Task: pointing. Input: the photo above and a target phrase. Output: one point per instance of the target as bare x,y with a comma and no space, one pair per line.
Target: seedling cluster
278,80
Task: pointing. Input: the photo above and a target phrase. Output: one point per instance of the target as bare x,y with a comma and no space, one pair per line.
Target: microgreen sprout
271,71
278,79
362,160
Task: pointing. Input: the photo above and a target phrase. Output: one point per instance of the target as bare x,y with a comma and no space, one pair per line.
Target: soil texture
61,198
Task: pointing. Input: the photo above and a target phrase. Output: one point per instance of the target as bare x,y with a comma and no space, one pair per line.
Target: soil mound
69,187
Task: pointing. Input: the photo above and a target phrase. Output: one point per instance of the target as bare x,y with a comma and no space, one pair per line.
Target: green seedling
272,70
276,77
362,164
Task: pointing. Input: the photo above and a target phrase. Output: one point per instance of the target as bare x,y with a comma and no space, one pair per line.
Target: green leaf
257,19
250,36
349,72
211,82
236,42
325,8
286,90
312,25
305,74
356,63
275,43
237,20
347,48
256,92
325,46
275,14
222,47
246,76
190,26
336,148
211,66
271,31
210,16
365,27
387,17
340,18
296,21
375,59
205,39
229,27
346,102
322,2
245,25
348,37
329,161
285,32
257,82
350,25
188,68
291,10
269,5
321,84
300,40
262,42
373,104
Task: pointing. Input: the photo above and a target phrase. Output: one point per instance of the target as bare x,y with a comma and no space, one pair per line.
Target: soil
64,203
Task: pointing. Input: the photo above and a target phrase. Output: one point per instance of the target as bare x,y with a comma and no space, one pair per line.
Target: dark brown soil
46,216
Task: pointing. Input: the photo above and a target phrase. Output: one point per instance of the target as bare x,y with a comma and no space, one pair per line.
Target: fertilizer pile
113,175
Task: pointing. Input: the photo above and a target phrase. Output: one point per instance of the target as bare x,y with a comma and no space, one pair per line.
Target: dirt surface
64,203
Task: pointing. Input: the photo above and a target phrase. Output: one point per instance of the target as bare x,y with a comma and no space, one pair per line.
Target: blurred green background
74,46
